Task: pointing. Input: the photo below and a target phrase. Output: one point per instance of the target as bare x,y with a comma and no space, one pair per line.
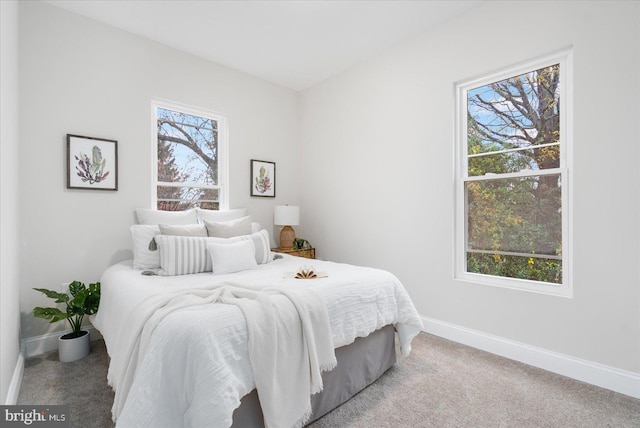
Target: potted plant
80,301
301,244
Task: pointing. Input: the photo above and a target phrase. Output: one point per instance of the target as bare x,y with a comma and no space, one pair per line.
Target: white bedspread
196,366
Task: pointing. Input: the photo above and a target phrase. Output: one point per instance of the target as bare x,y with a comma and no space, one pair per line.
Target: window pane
515,161
182,198
187,148
515,113
530,268
518,215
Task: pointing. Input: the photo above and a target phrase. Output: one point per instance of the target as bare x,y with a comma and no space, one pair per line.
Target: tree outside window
188,163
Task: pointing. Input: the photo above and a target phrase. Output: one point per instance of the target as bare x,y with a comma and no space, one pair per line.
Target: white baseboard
611,378
49,342
16,382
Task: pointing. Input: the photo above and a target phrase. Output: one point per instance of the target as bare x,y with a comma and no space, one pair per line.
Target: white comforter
196,366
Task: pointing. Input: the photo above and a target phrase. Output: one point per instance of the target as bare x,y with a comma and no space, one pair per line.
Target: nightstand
309,253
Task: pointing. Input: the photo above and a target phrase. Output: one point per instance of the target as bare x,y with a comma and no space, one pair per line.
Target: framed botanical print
263,178
92,163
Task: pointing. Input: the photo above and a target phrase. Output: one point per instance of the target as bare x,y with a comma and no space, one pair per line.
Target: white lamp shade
286,215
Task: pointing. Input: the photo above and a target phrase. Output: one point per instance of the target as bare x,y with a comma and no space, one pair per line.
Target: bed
194,367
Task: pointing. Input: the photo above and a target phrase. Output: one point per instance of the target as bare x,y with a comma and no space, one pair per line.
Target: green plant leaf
51,314
75,287
92,302
60,297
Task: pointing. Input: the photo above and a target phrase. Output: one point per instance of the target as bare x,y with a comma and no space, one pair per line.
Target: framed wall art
92,163
263,178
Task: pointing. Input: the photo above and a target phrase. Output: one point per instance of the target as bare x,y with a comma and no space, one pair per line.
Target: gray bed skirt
359,365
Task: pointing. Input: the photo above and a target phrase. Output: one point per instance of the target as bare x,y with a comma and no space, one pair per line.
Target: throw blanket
290,344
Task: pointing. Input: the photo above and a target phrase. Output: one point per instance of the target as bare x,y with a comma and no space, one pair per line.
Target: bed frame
359,365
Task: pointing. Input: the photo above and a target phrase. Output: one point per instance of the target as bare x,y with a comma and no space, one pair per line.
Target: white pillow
255,227
151,216
232,257
143,258
183,229
229,229
218,216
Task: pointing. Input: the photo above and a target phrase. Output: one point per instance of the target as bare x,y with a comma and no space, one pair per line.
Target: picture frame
263,178
92,163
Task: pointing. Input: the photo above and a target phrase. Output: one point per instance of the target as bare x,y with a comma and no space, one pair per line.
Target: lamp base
287,235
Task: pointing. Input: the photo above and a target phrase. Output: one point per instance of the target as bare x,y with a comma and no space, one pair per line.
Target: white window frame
223,150
565,59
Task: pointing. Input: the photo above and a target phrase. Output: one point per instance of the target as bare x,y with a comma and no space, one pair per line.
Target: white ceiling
296,44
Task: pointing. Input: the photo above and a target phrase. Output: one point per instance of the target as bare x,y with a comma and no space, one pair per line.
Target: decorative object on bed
229,229
152,216
184,255
92,163
230,258
309,272
183,229
263,178
145,254
80,301
165,372
220,215
185,223
287,216
178,230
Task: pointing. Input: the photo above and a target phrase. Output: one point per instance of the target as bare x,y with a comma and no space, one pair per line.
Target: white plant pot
72,349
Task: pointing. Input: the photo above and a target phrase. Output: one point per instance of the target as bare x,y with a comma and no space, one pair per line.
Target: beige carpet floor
441,384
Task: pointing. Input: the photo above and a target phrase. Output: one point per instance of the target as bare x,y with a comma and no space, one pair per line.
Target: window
513,142
190,158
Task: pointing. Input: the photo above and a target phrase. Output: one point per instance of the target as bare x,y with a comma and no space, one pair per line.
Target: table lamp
287,216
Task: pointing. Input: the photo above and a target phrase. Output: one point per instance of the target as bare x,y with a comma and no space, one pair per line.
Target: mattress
196,368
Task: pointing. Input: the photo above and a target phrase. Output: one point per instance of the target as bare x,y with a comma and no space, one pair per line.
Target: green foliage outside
523,214
535,269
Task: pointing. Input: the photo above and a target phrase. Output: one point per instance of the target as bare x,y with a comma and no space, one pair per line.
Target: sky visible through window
187,153
193,142
514,115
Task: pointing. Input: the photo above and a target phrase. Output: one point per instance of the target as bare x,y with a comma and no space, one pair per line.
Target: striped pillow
182,255
261,241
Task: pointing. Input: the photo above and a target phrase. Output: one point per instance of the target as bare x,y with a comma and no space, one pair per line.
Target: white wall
378,156
9,219
78,76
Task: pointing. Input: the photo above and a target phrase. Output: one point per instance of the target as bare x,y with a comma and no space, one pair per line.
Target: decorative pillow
143,258
262,246
232,257
218,216
151,216
182,255
260,242
229,229
183,230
